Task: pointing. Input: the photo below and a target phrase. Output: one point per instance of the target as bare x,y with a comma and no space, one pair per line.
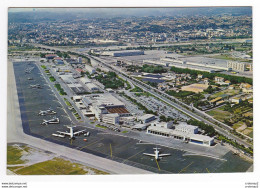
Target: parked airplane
37,86
157,154
54,120
47,112
71,133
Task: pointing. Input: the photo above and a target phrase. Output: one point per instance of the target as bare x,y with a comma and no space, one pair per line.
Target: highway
15,134
222,128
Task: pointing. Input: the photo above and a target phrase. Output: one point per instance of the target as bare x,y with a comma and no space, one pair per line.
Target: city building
50,56
236,100
238,66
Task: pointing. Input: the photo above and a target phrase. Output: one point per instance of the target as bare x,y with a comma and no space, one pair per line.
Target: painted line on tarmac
91,144
185,168
132,156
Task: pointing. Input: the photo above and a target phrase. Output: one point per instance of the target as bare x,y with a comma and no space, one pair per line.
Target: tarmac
15,134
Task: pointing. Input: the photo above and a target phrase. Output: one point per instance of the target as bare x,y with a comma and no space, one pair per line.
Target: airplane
71,133
37,86
47,112
157,154
54,120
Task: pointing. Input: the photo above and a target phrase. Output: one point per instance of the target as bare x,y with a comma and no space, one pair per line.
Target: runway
15,134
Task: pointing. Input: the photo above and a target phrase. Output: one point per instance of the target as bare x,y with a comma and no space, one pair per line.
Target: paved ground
16,134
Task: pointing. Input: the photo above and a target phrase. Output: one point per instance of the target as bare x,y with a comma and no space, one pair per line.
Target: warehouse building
123,53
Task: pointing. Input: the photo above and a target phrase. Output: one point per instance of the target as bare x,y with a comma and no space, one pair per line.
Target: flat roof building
123,53
90,69
187,137
110,118
183,127
147,118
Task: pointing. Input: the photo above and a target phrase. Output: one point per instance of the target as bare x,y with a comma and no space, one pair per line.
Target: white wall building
238,66
110,118
166,125
183,127
90,69
146,118
184,136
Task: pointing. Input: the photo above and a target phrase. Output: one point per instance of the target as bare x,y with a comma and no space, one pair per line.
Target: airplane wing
64,133
79,132
164,155
148,154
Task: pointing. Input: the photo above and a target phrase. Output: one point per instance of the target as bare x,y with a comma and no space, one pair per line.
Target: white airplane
71,133
54,120
47,112
157,154
37,86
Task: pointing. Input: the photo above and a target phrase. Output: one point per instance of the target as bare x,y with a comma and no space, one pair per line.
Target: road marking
157,164
133,156
185,168
111,150
91,144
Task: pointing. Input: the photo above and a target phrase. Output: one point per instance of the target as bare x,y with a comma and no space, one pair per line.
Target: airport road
15,134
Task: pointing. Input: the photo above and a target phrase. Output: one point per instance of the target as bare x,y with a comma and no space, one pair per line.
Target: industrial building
92,87
190,65
123,53
73,84
185,136
100,104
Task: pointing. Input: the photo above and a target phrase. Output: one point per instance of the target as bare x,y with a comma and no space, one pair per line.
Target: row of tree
231,78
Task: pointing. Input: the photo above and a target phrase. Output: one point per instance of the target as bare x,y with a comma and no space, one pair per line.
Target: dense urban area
128,84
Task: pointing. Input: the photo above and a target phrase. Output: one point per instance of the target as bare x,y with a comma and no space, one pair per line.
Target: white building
238,66
92,87
110,118
85,80
184,136
166,125
147,118
123,53
90,69
183,127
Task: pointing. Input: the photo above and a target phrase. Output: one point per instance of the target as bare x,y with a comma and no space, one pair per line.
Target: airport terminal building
185,136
